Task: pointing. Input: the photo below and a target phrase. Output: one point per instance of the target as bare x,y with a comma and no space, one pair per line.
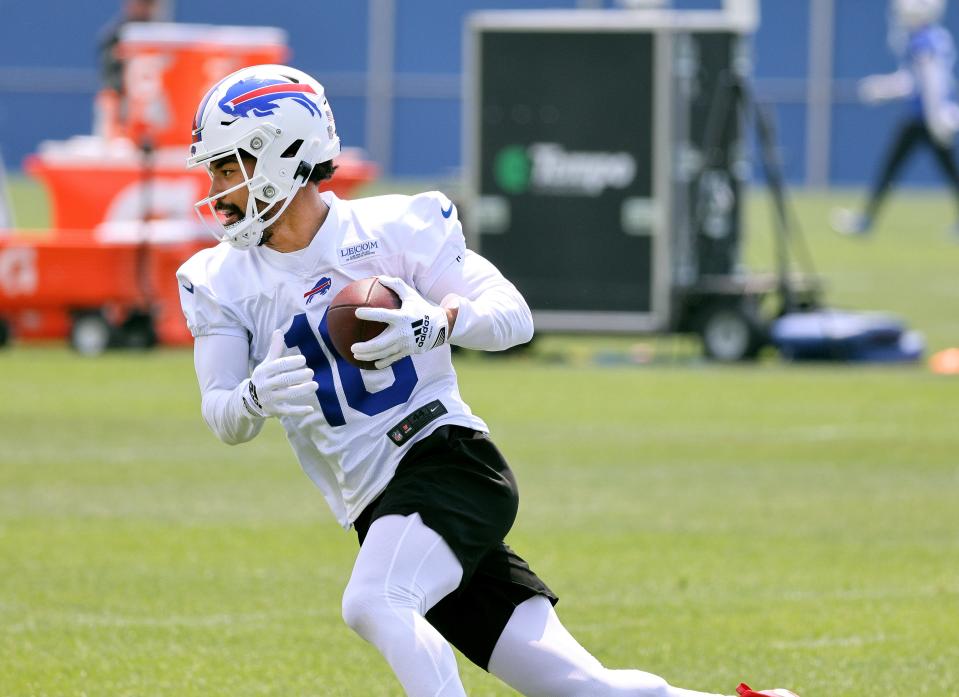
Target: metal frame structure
664,24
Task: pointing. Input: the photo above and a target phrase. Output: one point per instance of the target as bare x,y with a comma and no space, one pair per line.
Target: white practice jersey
348,445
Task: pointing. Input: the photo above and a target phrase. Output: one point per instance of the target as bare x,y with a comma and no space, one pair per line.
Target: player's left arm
448,294
930,54
941,114
490,313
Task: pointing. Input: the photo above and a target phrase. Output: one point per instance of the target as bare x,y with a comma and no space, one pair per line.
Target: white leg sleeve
537,657
403,569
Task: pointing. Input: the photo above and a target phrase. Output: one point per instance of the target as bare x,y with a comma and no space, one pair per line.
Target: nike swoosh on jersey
447,211
187,288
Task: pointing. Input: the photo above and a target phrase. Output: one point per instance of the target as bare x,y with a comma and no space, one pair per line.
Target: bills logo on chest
358,251
322,287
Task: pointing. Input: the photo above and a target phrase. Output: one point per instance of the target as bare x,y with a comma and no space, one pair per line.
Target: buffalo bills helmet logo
260,97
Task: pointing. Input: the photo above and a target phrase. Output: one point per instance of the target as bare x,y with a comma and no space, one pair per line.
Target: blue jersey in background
934,42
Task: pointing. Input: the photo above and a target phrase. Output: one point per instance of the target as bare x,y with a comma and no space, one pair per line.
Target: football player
925,80
396,452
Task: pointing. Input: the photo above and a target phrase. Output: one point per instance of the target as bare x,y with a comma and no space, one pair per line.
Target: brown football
341,321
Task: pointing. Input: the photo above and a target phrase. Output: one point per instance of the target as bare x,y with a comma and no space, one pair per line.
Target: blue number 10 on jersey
302,337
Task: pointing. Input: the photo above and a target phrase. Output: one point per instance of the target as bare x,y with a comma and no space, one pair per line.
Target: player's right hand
280,385
943,124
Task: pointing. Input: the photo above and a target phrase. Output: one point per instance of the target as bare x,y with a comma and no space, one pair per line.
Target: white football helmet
280,116
914,14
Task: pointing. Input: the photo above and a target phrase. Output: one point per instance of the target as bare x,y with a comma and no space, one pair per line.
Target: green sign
512,169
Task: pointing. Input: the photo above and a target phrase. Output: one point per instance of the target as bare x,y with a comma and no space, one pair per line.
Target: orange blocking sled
48,281
90,184
58,284
77,283
122,214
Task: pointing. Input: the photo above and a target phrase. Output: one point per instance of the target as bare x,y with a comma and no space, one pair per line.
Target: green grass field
792,526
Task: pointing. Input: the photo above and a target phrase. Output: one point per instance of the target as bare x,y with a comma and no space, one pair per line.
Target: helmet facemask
273,196
280,117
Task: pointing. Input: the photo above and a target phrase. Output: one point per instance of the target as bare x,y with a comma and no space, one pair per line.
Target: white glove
416,327
278,383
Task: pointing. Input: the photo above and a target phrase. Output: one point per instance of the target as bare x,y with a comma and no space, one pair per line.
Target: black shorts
462,488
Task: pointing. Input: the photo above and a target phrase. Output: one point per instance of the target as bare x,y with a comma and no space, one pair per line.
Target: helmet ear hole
293,148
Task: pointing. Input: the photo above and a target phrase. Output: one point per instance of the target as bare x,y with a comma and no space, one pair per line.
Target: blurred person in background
111,66
110,105
927,55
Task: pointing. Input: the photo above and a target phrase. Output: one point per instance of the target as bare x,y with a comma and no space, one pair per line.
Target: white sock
538,657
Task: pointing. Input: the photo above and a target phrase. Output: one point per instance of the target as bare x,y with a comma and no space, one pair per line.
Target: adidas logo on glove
421,330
